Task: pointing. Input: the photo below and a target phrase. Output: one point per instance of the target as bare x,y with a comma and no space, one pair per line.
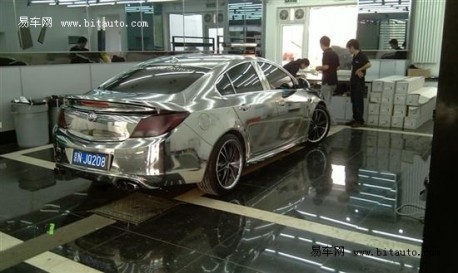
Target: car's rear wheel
319,124
224,167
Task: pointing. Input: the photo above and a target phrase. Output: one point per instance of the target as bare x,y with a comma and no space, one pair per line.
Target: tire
319,125
223,175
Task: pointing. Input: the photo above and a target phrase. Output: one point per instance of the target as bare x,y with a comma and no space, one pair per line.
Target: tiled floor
315,210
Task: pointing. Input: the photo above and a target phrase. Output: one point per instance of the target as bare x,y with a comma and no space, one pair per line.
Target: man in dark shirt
294,66
329,68
80,57
359,65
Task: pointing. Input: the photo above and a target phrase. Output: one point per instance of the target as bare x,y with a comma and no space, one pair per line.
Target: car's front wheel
319,125
224,167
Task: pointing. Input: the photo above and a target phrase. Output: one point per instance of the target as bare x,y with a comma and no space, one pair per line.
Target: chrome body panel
267,121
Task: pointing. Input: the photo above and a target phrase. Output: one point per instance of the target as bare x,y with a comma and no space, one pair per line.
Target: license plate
92,160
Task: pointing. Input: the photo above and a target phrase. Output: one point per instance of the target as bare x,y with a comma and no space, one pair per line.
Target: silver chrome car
186,119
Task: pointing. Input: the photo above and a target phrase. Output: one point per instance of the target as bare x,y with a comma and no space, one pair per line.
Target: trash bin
31,123
54,103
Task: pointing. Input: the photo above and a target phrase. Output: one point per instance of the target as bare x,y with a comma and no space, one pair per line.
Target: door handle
244,107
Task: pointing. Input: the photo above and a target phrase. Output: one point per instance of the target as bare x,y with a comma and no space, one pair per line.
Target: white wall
40,81
271,26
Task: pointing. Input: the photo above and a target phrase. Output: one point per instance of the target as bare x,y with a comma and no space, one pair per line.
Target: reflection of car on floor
232,238
186,119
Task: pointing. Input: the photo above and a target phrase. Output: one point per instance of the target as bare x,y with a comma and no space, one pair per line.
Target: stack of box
421,104
400,102
403,88
381,101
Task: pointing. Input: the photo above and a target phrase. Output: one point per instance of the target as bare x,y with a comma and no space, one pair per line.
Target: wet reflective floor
352,204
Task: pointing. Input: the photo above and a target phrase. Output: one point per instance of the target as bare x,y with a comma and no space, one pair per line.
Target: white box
384,121
372,120
374,108
375,97
399,110
397,122
414,112
389,86
421,96
400,99
412,123
388,96
379,85
386,109
410,84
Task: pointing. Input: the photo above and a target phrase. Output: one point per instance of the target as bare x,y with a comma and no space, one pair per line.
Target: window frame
293,79
254,65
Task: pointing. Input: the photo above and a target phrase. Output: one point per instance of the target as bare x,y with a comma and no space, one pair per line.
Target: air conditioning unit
283,14
208,18
291,14
299,14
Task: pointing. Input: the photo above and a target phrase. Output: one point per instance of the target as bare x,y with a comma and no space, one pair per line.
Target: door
291,37
255,107
292,105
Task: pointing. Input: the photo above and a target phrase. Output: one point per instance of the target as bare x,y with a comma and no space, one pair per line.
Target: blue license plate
91,160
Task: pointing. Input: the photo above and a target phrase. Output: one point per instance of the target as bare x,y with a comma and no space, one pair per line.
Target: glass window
244,78
277,78
224,86
156,79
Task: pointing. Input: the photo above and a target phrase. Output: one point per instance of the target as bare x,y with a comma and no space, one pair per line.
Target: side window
244,78
276,77
224,86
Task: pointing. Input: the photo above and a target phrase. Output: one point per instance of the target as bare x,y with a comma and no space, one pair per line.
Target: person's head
304,63
325,42
353,46
82,42
394,43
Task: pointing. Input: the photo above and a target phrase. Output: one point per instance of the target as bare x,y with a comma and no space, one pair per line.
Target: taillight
62,123
158,125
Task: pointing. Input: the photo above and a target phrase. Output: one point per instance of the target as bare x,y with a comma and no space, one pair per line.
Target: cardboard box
400,99
400,110
372,120
375,97
373,109
410,84
388,96
397,122
412,123
386,83
419,72
386,109
384,121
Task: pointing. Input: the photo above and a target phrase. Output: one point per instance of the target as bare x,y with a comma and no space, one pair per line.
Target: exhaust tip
127,185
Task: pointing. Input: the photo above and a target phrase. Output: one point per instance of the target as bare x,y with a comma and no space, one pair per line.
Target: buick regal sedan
186,119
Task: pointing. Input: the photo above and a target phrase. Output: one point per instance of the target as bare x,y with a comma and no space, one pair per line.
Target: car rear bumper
147,163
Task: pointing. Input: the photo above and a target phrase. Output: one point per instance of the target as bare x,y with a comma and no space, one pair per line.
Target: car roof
208,61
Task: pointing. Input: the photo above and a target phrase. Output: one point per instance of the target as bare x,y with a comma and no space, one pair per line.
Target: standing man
330,64
294,66
357,82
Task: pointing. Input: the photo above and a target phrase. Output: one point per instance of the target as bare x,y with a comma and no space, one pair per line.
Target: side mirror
303,83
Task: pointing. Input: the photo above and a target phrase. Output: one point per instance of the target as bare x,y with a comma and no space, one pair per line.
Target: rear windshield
156,79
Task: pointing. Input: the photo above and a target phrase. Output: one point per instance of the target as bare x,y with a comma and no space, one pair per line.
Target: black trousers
357,99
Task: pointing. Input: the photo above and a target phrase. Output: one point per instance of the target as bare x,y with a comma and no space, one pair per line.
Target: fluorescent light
42,1
130,2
